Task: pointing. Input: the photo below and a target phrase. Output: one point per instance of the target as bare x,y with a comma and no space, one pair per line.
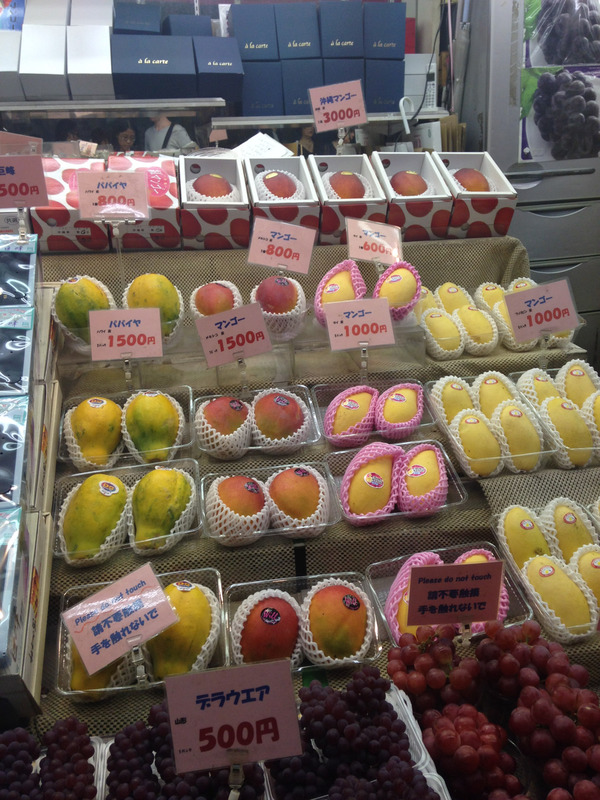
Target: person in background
166,135
123,136
67,131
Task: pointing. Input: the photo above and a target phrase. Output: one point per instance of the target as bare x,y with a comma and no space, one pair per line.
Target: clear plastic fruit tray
187,524
299,588
183,396
339,460
419,755
505,462
230,529
381,575
323,394
135,670
233,446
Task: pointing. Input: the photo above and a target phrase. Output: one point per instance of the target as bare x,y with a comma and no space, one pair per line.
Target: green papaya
93,511
158,501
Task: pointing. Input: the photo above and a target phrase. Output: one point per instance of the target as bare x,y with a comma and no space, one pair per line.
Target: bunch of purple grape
18,751
66,772
569,32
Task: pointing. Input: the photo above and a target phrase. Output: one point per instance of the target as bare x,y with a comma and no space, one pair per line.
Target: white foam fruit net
573,513
75,453
228,527
290,443
287,325
77,342
473,343
225,446
309,527
519,459
476,465
237,298
241,615
440,348
147,456
267,194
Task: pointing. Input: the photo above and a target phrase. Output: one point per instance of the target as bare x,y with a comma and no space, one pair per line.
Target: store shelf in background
57,109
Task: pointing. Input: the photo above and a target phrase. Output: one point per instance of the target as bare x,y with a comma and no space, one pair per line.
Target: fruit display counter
304,367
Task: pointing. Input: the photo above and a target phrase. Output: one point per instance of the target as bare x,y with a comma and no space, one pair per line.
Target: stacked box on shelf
215,213
422,216
384,43
59,225
161,231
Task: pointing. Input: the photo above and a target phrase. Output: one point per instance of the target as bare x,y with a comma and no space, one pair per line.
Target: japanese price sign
281,245
454,593
373,241
354,323
125,332
234,334
338,105
123,615
547,308
237,715
22,182
113,195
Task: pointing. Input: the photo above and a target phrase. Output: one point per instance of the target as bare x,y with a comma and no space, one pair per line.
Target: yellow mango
520,284
492,392
589,569
371,486
571,428
401,405
476,324
559,591
422,472
399,287
578,385
351,411
596,412
481,447
491,293
424,303
338,287
544,387
455,398
524,537
522,438
571,530
452,296
443,329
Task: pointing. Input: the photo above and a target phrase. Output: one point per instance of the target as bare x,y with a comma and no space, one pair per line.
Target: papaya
152,421
153,290
96,427
158,500
82,681
93,512
74,300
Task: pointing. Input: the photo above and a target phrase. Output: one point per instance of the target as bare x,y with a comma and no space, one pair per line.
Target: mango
443,329
153,290
490,294
452,296
96,427
74,300
521,284
524,537
477,325
455,398
296,492
422,472
481,447
522,438
370,487
402,613
351,410
270,630
559,591
572,429
578,384
225,414
572,531
82,681
544,387
157,502
399,287
278,415
424,303
337,619
588,565
93,512
242,495
152,422
492,391
338,287
401,405
175,650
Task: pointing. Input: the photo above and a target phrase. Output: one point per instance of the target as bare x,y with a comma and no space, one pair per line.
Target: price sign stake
237,715
373,241
233,335
338,105
354,323
547,308
281,245
109,623
113,195
125,332
22,182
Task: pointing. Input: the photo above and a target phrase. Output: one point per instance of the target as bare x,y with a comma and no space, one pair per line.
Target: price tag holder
125,333
354,323
233,335
237,715
373,241
22,182
547,308
455,593
281,245
12,144
123,615
113,195
338,105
